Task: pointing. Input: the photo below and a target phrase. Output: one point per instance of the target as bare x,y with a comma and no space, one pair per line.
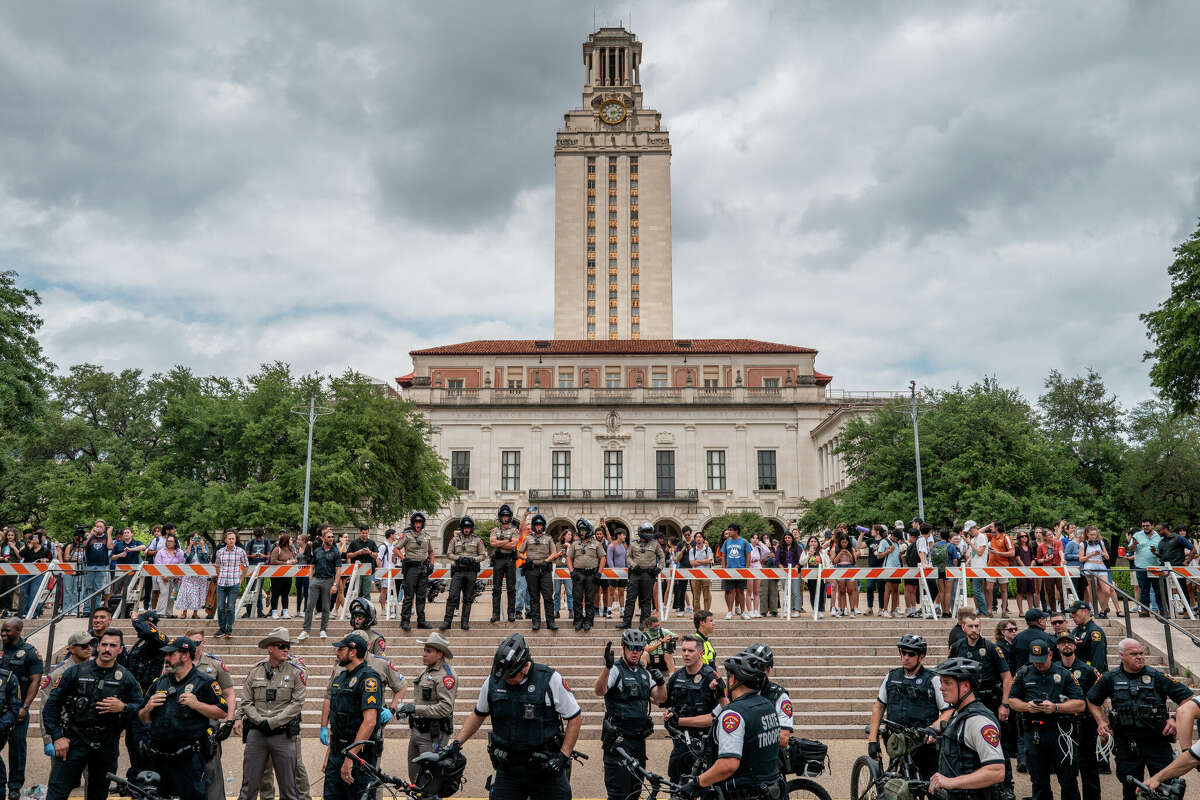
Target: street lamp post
312,412
912,385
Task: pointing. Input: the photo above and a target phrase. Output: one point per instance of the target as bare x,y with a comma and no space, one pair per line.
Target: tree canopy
23,368
1174,330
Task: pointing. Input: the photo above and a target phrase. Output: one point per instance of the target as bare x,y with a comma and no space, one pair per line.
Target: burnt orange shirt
999,541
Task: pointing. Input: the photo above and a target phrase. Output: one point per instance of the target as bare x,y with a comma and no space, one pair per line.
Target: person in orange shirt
1000,553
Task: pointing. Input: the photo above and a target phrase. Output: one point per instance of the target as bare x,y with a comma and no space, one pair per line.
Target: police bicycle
869,780
144,786
1172,789
432,783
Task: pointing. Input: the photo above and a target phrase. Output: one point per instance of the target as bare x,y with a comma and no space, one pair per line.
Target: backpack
940,557
912,556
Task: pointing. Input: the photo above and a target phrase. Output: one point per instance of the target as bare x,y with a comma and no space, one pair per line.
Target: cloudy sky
938,191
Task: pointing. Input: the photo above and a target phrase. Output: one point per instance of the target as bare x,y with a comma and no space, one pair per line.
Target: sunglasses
635,649
283,645
910,653
1010,630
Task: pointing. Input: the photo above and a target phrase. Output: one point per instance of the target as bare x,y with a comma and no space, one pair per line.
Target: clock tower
612,203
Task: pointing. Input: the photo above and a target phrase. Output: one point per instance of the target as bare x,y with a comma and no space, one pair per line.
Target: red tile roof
405,380
821,378
532,347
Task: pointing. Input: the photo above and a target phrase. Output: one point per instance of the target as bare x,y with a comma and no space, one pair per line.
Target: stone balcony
525,396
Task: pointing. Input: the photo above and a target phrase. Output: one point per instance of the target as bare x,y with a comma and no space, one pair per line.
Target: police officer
1091,645
778,695
79,650
145,660
585,559
351,713
416,549
466,553
504,541
645,559
1085,726
268,717
179,709
970,762
1047,695
435,689
363,619
22,659
1035,619
89,705
910,695
535,724
995,678
693,691
215,670
537,549
1139,720
747,737
10,697
627,688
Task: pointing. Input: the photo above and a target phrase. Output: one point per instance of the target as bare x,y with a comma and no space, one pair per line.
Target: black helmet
763,651
964,669
911,641
583,527
646,531
362,607
512,654
439,774
465,523
633,638
504,510
750,670
538,519
416,515
148,779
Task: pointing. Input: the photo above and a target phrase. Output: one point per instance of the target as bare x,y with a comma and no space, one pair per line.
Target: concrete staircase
832,668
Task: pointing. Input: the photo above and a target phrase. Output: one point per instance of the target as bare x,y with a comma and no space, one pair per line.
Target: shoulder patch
1097,636
568,688
371,685
991,734
216,687
731,721
787,707
448,681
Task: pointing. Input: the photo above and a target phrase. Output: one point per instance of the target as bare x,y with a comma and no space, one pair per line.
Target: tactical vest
911,702
955,756
772,691
759,764
689,695
345,707
93,684
1137,703
174,725
981,654
522,720
626,704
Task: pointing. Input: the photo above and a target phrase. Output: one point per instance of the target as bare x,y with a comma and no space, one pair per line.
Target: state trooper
645,559
415,547
90,703
504,540
995,679
1048,695
537,549
363,620
268,717
1091,645
351,714
628,688
79,650
910,695
1138,721
466,553
747,738
23,660
179,710
432,719
693,691
535,724
780,700
970,761
585,559
215,670
1085,726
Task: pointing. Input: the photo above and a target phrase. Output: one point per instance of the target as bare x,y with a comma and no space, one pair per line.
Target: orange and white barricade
148,572
920,574
43,573
1179,599
965,574
255,575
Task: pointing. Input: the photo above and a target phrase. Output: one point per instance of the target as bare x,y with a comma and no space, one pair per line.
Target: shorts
732,584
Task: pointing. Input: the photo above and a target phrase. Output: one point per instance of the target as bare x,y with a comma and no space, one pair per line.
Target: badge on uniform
730,722
1096,635
189,688
118,674
1075,674
1145,679
371,685
1057,678
787,708
696,679
568,688
983,651
352,682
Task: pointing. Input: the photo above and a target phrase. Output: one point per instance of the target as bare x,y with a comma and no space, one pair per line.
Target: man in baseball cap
181,644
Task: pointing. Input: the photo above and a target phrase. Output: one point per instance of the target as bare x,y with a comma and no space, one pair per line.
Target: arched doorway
448,532
558,526
778,529
614,525
669,528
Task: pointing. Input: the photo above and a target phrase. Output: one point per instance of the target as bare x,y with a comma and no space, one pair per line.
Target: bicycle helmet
963,669
633,638
362,607
439,774
748,669
512,654
763,651
646,531
416,515
466,524
538,519
911,641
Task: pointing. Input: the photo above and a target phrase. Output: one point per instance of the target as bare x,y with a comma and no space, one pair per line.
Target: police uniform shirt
506,535
585,555
1085,674
1147,677
391,676
684,688
352,692
783,704
415,546
558,695
172,725
99,682
917,679
435,690
644,555
376,644
1019,650
1031,684
989,656
1091,645
216,670
467,546
48,679
748,729
272,695
981,733
537,548
23,661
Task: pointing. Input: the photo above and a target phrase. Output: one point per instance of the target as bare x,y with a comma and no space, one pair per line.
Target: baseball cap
969,524
352,640
898,523
181,644
1034,614
1079,605
79,638
1039,653
1066,636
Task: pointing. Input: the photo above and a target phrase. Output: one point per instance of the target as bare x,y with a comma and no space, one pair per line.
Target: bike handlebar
134,789
1171,789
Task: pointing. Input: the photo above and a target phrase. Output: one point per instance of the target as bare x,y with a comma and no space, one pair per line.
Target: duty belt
586,570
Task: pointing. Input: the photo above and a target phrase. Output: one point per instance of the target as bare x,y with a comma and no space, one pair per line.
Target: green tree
23,368
1161,476
1174,330
818,514
751,521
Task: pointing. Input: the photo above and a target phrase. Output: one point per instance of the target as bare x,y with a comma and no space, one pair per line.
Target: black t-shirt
871,543
1173,549
367,546
29,555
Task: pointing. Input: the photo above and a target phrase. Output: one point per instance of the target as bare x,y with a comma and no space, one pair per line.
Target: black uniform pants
527,784
462,584
641,590
337,789
504,569
1044,757
416,584
67,774
620,783
583,596
681,760
1089,767
182,775
1138,753
541,584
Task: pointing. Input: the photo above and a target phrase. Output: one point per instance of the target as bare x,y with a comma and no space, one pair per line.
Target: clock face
612,112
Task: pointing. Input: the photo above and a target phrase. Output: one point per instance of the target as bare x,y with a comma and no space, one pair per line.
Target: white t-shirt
979,559
385,556
923,548
559,694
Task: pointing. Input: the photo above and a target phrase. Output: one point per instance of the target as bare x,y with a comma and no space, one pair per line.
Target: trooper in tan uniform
363,620
216,670
268,717
644,559
466,554
585,559
415,551
79,650
432,718
503,539
266,788
539,553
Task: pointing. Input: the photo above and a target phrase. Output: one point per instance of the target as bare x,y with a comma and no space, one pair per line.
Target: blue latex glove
325,736
49,749
385,716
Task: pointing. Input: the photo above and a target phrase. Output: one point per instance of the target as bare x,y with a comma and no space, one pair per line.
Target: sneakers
324,635
746,615
303,635
274,615
287,614
728,615
852,613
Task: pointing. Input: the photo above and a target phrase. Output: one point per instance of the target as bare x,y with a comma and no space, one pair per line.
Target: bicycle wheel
863,775
805,787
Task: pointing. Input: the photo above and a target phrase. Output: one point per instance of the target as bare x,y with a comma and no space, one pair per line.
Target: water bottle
229,784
